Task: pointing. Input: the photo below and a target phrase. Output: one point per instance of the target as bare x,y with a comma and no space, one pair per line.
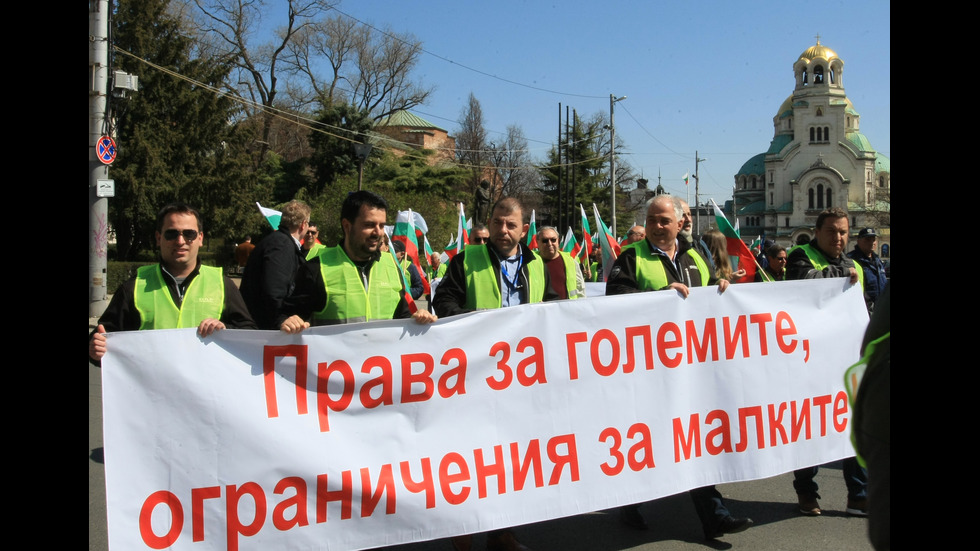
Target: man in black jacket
683,267
271,270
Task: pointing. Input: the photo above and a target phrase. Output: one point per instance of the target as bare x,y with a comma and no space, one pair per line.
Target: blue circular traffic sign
106,149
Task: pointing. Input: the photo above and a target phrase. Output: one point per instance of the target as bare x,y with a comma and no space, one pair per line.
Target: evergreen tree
578,168
175,141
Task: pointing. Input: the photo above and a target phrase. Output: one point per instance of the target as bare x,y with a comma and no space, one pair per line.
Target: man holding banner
823,257
176,292
655,264
504,272
353,281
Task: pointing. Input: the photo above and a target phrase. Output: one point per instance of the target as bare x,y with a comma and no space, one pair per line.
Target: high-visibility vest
204,298
571,283
820,261
483,286
650,271
347,299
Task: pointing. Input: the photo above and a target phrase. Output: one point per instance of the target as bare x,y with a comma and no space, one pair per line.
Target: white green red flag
608,244
570,245
685,178
463,236
586,232
742,257
532,233
272,215
409,228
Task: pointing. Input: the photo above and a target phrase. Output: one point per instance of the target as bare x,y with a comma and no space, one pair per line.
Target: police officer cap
867,232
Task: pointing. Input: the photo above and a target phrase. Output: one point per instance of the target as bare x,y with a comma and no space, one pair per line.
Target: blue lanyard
512,282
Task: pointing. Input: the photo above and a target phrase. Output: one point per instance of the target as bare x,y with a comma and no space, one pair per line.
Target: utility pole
98,238
612,159
697,201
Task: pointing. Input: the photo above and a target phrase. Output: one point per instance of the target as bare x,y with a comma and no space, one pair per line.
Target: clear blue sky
705,76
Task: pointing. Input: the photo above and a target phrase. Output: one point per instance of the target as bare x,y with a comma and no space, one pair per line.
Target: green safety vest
650,272
852,381
439,273
820,262
570,281
314,250
594,268
483,285
204,298
347,299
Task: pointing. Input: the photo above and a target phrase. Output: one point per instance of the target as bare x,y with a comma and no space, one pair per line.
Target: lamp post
361,150
612,158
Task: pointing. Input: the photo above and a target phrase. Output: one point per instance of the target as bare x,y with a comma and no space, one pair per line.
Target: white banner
360,436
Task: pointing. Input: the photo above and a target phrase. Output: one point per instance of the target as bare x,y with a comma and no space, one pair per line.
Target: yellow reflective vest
650,272
204,298
820,262
483,284
347,299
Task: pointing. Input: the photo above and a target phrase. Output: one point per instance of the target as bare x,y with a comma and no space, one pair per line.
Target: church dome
819,50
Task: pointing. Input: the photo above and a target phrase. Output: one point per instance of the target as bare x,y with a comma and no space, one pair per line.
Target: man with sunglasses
177,292
566,275
775,267
311,244
271,270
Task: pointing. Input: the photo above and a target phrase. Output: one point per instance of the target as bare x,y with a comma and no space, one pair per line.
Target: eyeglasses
189,235
478,240
550,240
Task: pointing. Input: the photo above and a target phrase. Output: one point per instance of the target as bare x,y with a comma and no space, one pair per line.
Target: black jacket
270,277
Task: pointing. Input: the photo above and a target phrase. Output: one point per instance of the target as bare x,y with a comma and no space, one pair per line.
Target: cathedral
817,159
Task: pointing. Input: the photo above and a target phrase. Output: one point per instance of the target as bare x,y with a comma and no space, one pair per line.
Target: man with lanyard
775,265
503,272
823,258
661,262
353,281
176,292
874,269
564,272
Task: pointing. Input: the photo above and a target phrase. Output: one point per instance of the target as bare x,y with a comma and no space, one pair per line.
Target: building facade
817,159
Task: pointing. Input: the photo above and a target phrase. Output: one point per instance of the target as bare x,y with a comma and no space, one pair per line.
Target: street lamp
361,150
612,158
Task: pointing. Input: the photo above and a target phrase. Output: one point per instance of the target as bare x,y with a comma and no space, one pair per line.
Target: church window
818,74
771,198
810,194
819,196
829,197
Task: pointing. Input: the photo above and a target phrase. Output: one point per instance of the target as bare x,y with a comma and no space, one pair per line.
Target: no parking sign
106,150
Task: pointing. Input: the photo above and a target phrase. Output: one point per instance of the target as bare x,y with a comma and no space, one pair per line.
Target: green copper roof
755,165
404,118
860,141
882,163
779,142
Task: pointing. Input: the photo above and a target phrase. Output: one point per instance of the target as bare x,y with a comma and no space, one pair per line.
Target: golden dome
818,51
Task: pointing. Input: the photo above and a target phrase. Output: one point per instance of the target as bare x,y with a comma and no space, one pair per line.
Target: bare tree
365,67
471,143
519,177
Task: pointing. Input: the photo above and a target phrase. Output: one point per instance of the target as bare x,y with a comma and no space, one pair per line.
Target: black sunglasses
189,235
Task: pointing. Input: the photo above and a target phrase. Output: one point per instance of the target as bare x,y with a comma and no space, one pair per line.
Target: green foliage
588,169
175,143
340,126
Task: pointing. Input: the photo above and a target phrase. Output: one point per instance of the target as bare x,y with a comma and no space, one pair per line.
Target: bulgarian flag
463,238
607,243
273,216
408,232
685,178
586,232
406,293
532,233
570,245
743,257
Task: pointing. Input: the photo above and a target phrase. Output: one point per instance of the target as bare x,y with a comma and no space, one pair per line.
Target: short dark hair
179,208
356,199
508,205
773,250
833,212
